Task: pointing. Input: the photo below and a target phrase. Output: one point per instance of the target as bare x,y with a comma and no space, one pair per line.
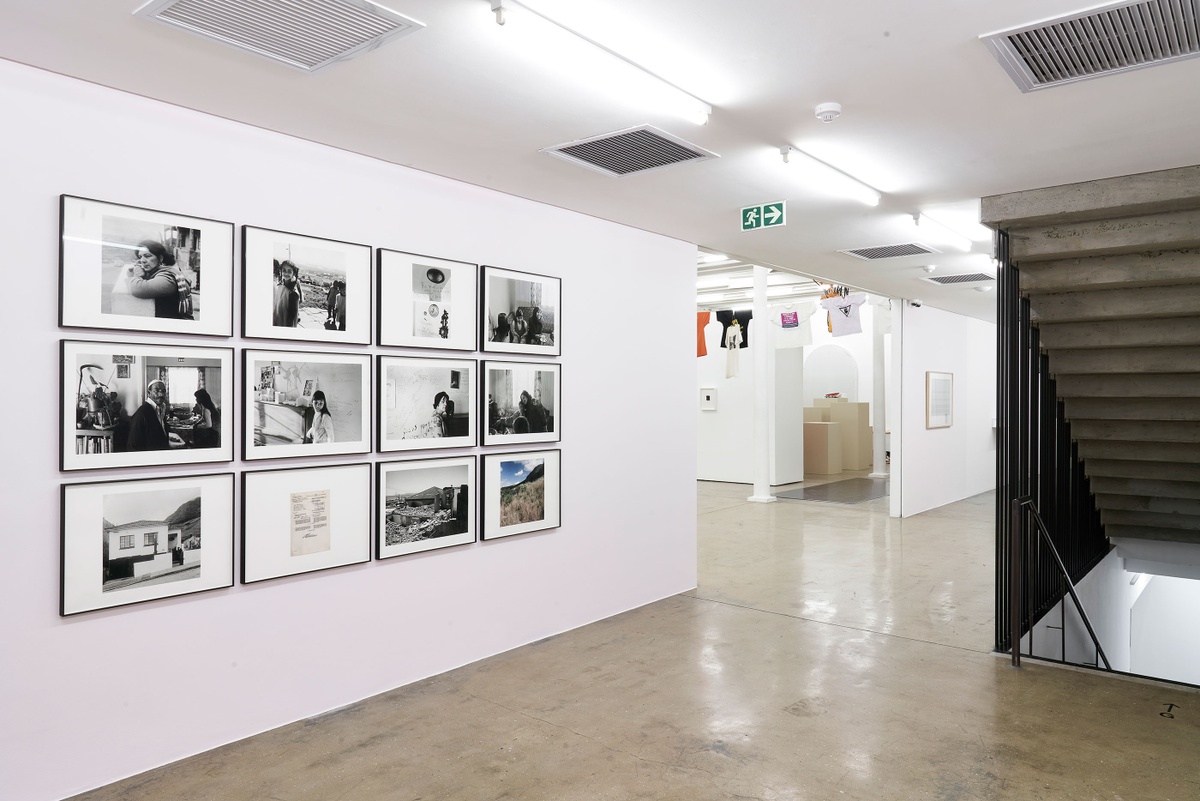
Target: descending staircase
1112,272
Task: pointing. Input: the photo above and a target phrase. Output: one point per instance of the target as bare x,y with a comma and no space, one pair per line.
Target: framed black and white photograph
939,399
129,404
131,269
426,403
304,519
521,312
522,492
125,542
305,404
425,505
426,302
303,288
522,400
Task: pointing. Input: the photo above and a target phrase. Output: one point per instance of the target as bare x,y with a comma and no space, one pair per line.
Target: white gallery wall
726,435
941,465
99,696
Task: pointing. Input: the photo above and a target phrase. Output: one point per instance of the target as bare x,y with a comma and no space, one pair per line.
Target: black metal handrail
1019,505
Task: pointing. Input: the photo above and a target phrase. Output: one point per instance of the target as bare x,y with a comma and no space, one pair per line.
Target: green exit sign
764,215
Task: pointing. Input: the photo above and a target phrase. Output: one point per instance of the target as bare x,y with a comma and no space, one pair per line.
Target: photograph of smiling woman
127,268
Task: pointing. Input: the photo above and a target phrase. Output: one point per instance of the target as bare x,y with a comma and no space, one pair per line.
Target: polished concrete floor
829,652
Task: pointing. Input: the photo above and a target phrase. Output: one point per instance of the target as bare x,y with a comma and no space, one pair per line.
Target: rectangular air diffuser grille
1114,38
306,34
889,251
965,278
630,151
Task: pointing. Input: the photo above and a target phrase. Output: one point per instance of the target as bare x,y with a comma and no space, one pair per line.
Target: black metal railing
1021,511
1036,459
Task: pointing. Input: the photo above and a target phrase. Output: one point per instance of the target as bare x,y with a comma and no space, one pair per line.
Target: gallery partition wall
110,691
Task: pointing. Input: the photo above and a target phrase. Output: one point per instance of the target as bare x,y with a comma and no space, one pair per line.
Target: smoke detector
828,112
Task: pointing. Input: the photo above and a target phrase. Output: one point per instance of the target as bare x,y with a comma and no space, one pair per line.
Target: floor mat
848,490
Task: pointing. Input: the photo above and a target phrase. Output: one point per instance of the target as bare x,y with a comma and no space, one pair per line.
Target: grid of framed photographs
171,402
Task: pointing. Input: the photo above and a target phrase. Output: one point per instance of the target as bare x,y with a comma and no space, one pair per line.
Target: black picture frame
300,520
426,302
425,504
182,286
509,296
508,511
322,265
521,402
108,419
133,541
278,413
426,403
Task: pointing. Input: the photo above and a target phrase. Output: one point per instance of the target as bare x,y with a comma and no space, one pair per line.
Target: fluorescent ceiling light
608,68
710,258
829,179
943,233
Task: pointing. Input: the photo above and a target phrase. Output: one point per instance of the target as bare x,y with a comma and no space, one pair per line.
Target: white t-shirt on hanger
844,313
790,322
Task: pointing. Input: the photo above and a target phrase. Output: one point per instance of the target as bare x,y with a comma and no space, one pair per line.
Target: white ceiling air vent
964,278
305,34
890,251
630,151
1116,37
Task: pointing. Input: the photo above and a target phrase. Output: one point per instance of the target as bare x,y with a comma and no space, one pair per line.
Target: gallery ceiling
928,116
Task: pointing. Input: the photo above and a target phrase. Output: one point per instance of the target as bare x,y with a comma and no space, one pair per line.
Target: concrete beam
1139,503
1126,385
1177,300
1144,193
1122,517
1149,487
1130,468
1156,268
1135,430
1121,333
1167,359
1132,408
1150,533
1123,233
1179,452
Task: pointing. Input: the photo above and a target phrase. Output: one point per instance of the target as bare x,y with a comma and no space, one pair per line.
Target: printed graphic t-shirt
844,313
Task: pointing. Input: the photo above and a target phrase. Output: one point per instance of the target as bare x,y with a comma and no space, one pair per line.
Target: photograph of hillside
522,491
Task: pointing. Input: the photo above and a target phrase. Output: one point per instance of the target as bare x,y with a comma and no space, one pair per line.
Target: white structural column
878,415
762,391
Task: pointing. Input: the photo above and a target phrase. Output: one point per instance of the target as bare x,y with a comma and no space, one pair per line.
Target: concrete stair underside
1112,272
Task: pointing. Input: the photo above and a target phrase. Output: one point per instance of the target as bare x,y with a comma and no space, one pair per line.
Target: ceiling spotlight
828,112
984,288
499,7
929,268
939,230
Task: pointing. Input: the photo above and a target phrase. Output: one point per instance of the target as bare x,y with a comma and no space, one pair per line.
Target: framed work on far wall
305,404
304,288
125,542
131,269
126,404
521,312
426,403
304,519
426,302
939,399
522,492
425,505
523,402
